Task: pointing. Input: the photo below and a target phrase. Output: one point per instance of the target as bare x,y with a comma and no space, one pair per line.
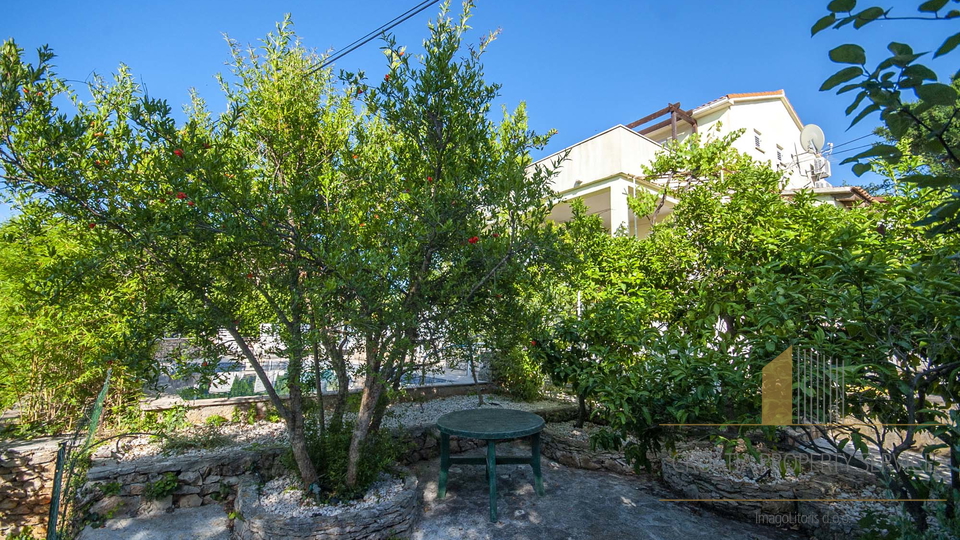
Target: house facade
605,169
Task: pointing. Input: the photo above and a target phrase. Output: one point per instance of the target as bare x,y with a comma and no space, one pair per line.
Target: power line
854,148
853,140
373,34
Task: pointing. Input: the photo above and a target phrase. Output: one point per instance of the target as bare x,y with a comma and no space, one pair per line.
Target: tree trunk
318,381
339,363
372,389
298,439
581,409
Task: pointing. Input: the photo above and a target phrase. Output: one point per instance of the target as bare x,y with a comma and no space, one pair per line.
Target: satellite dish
812,139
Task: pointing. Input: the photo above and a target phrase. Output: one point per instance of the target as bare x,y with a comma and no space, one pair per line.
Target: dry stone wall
390,518
26,481
121,489
773,502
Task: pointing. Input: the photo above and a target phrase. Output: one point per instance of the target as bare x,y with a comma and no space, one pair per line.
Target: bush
518,374
215,421
161,487
328,450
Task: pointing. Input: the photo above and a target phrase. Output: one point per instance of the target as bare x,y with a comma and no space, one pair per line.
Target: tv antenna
812,140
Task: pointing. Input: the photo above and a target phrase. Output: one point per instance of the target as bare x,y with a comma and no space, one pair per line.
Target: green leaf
860,168
872,108
937,94
932,6
931,181
849,54
899,48
948,45
867,16
884,151
848,87
920,71
897,123
823,24
837,6
856,102
904,60
952,14
840,77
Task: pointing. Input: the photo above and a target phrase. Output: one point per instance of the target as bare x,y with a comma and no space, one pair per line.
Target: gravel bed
740,468
399,415
283,496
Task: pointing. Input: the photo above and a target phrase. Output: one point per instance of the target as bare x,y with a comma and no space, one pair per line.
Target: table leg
535,463
444,465
492,477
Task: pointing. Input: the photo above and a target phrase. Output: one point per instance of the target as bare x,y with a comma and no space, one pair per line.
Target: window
779,154
756,139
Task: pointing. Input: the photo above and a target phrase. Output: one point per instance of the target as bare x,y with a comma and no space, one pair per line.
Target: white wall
614,151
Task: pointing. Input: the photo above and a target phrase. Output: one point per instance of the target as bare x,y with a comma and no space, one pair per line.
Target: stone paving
202,523
578,505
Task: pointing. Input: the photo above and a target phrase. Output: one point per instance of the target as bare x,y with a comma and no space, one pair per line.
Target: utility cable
367,38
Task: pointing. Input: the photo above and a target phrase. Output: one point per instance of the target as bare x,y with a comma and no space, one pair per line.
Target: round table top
490,423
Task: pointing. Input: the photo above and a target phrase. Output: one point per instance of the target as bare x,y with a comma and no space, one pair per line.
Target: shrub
328,449
215,421
162,487
518,374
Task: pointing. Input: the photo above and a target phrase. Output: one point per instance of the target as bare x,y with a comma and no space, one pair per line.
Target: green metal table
491,425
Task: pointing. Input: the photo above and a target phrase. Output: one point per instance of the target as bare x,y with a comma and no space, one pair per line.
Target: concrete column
618,206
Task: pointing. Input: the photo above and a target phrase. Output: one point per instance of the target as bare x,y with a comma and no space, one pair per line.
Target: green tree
930,122
378,212
67,315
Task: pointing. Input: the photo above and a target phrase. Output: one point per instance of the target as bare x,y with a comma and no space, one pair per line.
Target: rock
190,501
107,506
190,477
187,490
156,507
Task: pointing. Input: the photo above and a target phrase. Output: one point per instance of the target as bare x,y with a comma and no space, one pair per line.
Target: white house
604,169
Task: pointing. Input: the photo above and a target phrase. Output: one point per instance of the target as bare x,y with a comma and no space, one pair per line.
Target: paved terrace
578,504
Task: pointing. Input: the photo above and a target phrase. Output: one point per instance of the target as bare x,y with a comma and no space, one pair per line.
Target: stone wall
390,518
576,453
26,481
118,489
773,502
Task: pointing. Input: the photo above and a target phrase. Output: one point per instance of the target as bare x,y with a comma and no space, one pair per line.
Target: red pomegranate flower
178,152
355,156
429,179
473,240
533,342
249,276
181,195
189,203
495,235
92,225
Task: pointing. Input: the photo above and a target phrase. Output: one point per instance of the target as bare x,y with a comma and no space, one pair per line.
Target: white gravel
283,496
740,467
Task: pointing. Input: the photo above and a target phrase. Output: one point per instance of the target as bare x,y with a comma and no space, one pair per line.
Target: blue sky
581,67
